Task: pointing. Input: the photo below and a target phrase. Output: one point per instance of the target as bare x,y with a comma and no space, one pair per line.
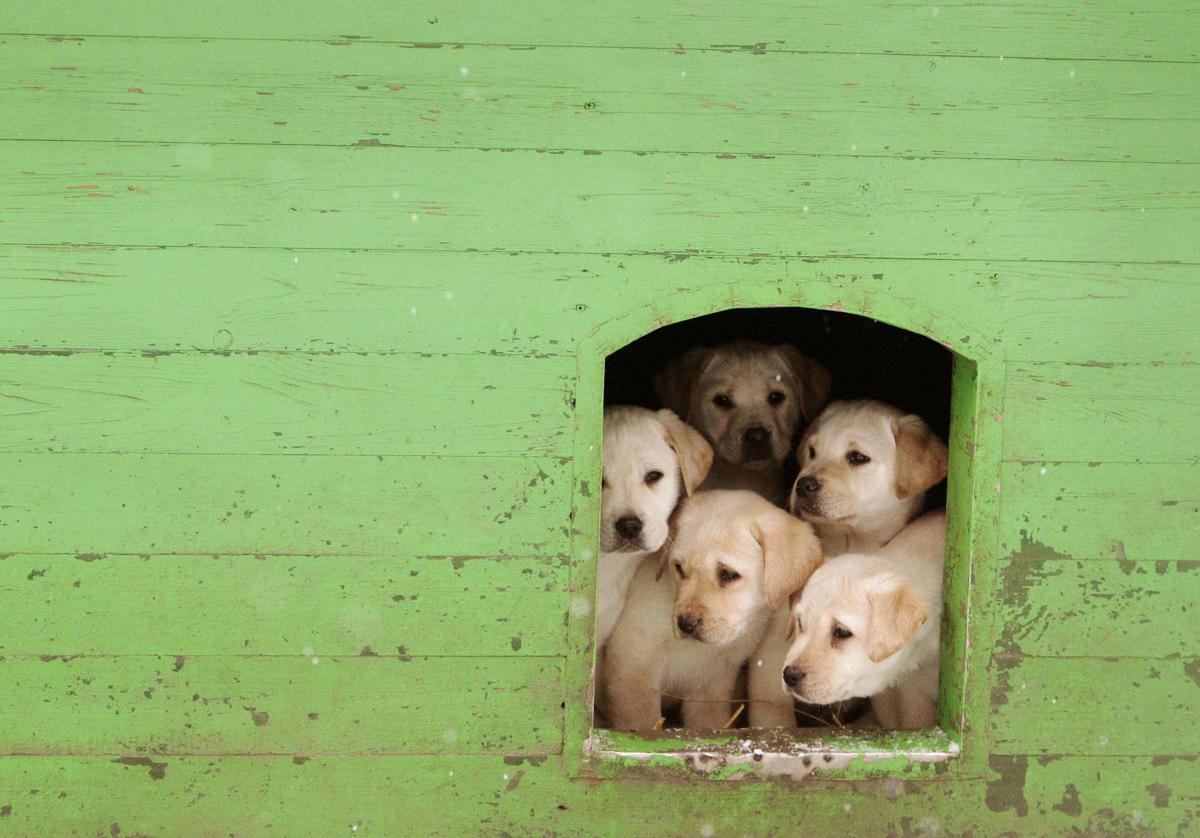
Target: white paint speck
585,554
503,776
451,773
1071,74
778,377
463,71
396,193
804,209
935,11
412,311
316,661
708,830
580,607
758,664
413,218
683,74
1143,209
845,807
449,735
1042,470
354,827
1002,58
296,260
1054,701
1103,741
997,487
449,295
854,146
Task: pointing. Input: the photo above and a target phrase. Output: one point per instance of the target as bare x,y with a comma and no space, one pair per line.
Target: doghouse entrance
866,359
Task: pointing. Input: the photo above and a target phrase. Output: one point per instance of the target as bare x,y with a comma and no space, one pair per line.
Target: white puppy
686,632
651,459
748,399
865,468
868,624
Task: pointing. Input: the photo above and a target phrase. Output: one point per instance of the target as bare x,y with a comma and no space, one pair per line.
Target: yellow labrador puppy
864,469
867,624
748,399
694,616
651,459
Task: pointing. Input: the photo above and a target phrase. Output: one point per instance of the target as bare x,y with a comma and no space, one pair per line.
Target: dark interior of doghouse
868,359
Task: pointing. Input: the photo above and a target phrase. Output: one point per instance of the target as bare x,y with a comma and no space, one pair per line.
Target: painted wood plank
289,92
209,403
1125,29
1101,706
420,199
295,704
1101,511
181,299
336,505
1055,607
328,795
329,605
1102,412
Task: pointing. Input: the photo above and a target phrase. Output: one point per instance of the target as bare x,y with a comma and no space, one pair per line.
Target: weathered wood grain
211,403
1052,606
294,704
96,604
1125,706
1125,29
181,299
1101,511
1102,412
417,199
289,92
338,505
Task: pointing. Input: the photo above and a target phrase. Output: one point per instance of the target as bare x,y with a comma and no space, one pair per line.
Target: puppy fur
651,459
857,505
853,506
748,399
694,615
868,624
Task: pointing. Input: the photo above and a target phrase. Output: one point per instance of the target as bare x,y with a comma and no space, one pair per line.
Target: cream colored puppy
868,624
865,468
693,618
651,459
748,400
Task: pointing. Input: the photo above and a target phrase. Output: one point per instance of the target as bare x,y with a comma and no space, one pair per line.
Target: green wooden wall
301,312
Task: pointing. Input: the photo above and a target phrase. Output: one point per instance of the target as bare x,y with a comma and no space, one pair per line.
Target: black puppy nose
687,623
793,676
756,436
808,485
629,527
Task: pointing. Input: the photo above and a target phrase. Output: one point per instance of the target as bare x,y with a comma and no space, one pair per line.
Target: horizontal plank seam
681,254
732,49
723,154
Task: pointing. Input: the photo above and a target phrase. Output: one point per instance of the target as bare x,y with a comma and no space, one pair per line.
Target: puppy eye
725,576
679,570
723,401
841,633
812,453
776,398
653,477
857,458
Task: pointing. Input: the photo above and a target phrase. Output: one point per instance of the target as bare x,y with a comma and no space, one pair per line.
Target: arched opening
867,359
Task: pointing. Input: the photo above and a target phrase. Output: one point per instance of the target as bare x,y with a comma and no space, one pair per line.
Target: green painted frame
972,542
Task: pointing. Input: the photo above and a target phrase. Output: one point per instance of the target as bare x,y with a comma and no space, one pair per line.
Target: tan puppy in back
651,459
748,399
692,619
865,468
867,624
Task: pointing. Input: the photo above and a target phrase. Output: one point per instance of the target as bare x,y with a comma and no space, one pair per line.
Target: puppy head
735,557
747,398
850,621
650,459
862,461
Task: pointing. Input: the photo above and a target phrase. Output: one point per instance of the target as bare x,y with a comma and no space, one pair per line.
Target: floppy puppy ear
673,384
897,611
921,458
672,528
812,380
791,552
692,450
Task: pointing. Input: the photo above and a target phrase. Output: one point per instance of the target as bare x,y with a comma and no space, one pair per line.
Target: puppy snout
688,622
793,676
757,435
807,486
629,526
